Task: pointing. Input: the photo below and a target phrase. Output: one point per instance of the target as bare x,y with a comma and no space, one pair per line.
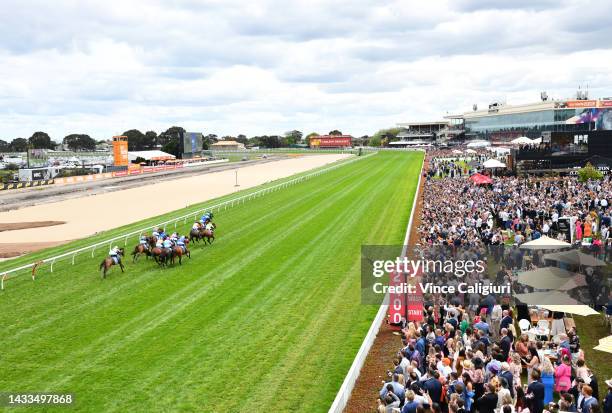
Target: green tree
374,141
335,132
172,133
40,140
242,139
208,140
18,145
293,137
150,139
589,172
135,139
78,142
4,146
390,134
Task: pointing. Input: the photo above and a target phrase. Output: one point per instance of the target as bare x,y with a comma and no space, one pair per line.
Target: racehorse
161,255
177,251
207,235
109,262
195,235
139,250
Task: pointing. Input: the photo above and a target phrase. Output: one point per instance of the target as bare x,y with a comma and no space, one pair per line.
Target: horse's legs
121,265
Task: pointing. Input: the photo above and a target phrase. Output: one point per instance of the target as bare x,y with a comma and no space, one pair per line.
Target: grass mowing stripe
255,305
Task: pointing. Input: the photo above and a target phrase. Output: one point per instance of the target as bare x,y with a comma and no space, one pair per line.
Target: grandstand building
425,133
501,123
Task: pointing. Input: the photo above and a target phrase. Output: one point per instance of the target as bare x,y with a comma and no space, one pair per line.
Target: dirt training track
87,215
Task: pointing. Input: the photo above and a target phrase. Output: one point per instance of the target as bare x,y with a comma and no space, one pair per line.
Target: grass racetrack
267,319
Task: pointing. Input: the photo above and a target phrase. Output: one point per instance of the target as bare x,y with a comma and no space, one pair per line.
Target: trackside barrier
344,394
5,275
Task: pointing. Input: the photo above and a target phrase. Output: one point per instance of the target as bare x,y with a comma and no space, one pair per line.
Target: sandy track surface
87,215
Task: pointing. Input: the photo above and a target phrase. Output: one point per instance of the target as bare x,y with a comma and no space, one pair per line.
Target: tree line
168,140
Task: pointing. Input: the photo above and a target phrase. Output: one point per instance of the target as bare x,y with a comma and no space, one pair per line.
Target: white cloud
268,66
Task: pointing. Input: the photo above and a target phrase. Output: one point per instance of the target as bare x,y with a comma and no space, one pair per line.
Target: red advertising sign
415,301
605,103
120,173
135,172
148,169
581,103
335,142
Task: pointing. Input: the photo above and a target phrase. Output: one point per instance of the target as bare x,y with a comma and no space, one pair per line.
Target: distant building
227,146
420,133
330,141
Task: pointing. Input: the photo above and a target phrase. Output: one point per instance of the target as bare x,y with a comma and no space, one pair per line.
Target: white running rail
344,394
5,275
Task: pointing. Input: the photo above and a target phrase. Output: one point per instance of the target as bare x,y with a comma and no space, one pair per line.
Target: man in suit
535,393
588,401
432,386
488,402
506,343
506,320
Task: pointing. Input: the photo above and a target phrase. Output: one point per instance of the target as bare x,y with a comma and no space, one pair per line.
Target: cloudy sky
265,67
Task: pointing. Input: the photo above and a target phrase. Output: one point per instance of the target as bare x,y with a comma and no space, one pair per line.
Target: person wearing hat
445,368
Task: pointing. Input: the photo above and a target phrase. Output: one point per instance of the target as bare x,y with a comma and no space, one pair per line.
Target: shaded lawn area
590,330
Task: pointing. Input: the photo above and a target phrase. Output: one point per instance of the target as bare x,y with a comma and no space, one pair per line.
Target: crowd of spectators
466,354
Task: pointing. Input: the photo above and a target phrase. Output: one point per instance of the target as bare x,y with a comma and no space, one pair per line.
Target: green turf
267,319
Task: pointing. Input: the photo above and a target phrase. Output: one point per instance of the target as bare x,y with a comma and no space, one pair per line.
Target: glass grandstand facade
530,124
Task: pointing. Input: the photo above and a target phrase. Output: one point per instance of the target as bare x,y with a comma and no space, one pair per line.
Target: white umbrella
537,141
551,278
494,163
521,140
581,310
545,243
543,298
470,151
456,151
478,144
575,257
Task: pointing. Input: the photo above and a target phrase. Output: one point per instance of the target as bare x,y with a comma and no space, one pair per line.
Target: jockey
162,233
155,234
205,218
167,243
159,243
143,240
174,237
115,254
196,226
210,226
181,243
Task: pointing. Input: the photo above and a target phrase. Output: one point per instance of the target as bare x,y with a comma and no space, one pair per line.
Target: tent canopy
470,151
153,155
521,140
478,144
544,243
575,257
546,298
551,278
480,179
581,310
494,163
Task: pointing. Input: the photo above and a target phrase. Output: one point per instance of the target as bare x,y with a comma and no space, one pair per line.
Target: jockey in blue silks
181,243
167,244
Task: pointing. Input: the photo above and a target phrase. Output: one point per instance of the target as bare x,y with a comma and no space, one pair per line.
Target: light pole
236,171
